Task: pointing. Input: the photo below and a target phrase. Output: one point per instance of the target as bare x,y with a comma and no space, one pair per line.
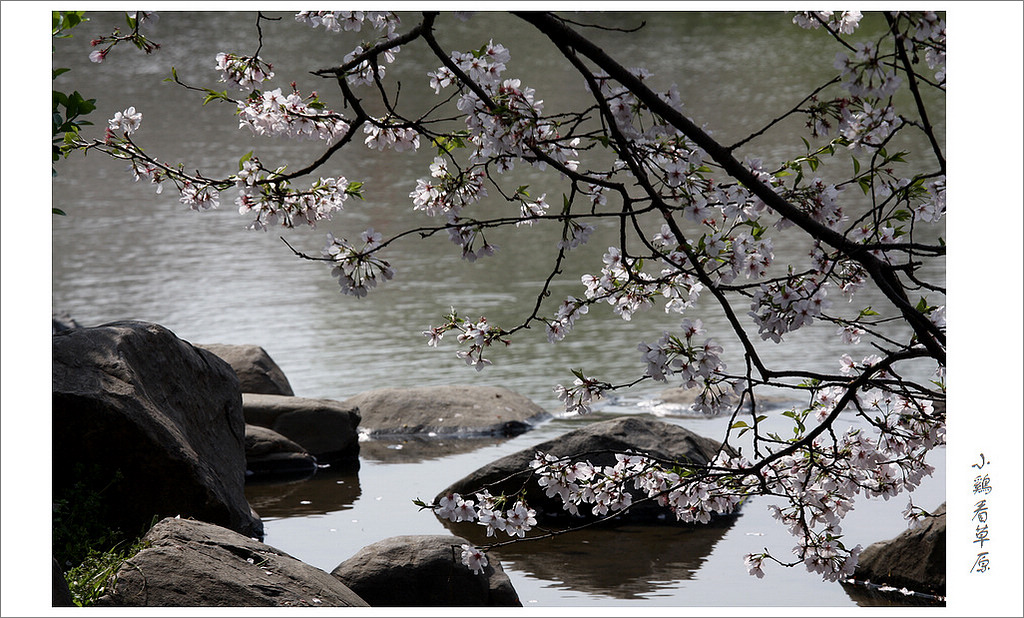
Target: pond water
125,253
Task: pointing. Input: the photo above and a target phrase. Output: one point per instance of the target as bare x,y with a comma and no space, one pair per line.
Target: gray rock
323,427
195,564
424,571
162,421
915,559
598,443
257,372
271,456
446,411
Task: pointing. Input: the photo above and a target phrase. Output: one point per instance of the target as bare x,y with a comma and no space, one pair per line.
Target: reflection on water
415,449
621,562
328,491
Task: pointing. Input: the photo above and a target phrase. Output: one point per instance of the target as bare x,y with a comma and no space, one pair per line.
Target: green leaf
355,189
739,424
856,166
58,211
213,95
922,305
866,311
244,158
865,185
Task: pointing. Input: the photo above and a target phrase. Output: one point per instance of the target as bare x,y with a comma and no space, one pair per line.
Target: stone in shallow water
446,411
598,443
424,571
325,428
915,559
195,564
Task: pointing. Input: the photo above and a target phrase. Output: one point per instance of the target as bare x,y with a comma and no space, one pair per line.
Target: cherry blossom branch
901,52
561,35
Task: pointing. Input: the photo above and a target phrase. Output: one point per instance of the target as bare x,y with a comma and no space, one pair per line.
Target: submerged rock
325,428
424,571
256,371
446,411
157,421
598,443
196,564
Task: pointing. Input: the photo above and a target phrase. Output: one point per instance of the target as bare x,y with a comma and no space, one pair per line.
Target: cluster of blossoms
621,285
608,488
930,34
697,365
584,392
480,335
385,23
127,121
845,22
244,72
822,481
781,307
514,127
565,318
196,193
575,234
357,270
448,193
381,135
274,202
199,196
338,21
932,209
276,114
515,521
868,126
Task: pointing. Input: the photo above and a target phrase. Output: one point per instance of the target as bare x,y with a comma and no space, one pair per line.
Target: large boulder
195,564
158,418
325,428
271,456
256,371
915,559
424,571
446,411
598,443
